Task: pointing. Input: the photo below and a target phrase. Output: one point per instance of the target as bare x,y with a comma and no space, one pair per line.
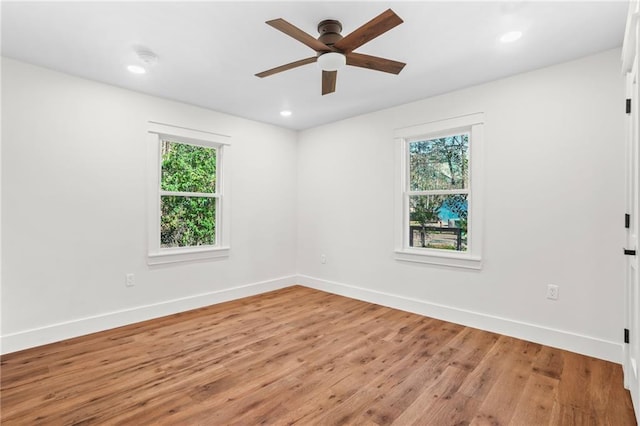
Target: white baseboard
586,345
79,327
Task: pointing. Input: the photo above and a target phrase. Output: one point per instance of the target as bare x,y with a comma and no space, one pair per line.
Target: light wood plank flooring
301,356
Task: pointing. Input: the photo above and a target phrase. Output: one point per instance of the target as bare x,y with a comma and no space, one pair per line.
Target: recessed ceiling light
285,113
136,69
511,36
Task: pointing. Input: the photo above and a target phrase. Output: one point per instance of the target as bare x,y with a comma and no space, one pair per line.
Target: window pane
441,163
438,221
188,168
187,221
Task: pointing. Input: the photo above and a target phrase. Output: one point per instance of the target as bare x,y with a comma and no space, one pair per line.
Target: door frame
631,350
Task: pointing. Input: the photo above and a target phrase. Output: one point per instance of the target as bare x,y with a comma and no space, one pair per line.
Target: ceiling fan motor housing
329,30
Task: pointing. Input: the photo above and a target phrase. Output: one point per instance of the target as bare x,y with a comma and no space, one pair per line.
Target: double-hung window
188,197
439,187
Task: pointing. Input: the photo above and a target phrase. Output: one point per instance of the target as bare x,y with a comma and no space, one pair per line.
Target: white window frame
472,257
157,133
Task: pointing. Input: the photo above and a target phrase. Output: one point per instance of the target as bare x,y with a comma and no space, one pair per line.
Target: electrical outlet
130,280
323,259
552,292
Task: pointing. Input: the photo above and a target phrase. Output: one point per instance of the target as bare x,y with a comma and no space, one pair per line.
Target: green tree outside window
188,195
439,181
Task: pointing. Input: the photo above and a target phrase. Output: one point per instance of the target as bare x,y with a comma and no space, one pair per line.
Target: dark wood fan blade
287,66
329,81
374,63
295,32
372,29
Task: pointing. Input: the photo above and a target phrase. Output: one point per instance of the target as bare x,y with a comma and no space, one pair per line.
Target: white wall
74,215
553,209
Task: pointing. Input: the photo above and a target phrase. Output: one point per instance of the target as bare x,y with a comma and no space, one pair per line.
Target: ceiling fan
334,51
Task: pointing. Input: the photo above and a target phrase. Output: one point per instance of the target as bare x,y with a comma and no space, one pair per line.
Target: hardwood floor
301,356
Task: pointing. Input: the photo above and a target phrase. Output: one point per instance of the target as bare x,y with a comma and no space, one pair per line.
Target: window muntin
437,191
188,195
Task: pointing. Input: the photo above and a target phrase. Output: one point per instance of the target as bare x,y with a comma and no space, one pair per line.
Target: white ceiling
209,51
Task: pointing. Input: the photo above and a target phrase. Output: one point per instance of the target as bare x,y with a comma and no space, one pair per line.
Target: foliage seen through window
188,195
438,192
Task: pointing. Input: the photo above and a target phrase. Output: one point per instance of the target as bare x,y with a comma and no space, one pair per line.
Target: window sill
187,255
437,257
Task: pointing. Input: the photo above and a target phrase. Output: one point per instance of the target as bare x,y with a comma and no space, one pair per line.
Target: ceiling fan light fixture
331,61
